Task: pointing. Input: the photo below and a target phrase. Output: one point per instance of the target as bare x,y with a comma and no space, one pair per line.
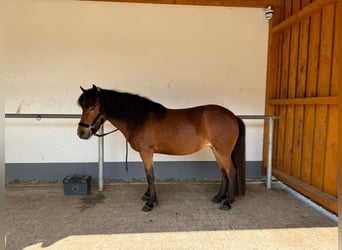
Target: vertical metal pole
269,152
101,159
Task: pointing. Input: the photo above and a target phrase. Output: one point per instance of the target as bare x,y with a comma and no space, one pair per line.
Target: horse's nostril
83,134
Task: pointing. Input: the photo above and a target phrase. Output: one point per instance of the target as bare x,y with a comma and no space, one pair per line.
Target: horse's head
92,117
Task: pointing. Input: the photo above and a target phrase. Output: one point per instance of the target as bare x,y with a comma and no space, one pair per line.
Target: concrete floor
40,216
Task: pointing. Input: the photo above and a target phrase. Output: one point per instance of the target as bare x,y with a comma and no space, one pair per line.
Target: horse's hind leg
231,172
150,195
228,180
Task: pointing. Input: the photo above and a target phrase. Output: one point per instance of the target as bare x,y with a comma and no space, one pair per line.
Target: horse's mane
131,108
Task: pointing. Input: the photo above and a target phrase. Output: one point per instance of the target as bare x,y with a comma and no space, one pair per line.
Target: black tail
239,159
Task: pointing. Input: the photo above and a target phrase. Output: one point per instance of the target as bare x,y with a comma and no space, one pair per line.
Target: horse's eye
92,108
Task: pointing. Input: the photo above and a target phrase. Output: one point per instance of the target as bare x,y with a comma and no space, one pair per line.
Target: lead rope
102,135
126,157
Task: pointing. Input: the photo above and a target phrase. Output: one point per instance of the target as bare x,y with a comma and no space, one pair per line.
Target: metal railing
270,119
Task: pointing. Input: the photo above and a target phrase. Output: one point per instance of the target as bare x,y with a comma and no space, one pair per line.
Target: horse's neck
121,125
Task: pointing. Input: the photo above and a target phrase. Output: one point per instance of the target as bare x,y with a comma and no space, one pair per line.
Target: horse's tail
239,159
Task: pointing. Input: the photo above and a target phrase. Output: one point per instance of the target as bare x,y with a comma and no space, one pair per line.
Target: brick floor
41,216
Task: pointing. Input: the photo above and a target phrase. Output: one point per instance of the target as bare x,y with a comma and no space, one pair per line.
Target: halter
93,129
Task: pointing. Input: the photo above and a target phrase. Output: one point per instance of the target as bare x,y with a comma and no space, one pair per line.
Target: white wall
178,55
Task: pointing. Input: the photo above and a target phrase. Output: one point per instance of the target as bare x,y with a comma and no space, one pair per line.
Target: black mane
133,109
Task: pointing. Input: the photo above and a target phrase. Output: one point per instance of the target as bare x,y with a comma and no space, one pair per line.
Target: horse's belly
177,150
181,143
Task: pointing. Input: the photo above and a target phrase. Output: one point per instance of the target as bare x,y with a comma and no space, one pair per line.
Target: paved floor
42,217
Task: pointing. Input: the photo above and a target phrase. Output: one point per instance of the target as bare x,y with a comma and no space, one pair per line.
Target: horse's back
212,111
184,131
204,119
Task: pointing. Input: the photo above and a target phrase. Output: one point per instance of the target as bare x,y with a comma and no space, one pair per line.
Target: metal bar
101,159
70,116
258,117
269,153
40,116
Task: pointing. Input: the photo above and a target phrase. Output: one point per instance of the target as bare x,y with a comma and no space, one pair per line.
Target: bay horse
151,128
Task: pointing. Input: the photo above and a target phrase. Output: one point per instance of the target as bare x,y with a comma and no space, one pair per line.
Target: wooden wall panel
305,138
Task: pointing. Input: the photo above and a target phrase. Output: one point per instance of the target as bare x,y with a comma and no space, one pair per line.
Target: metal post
269,153
101,159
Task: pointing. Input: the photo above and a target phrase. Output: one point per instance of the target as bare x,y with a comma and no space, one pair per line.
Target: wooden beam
231,3
339,143
327,201
304,101
302,14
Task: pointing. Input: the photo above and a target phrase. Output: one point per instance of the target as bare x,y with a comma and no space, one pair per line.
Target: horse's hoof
225,206
147,208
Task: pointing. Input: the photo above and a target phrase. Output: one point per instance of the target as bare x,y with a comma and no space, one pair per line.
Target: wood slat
284,76
339,86
330,177
291,92
305,100
311,90
318,157
317,195
334,78
300,93
323,89
232,3
330,170
308,135
307,11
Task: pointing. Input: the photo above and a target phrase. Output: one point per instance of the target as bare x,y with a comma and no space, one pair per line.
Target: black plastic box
77,184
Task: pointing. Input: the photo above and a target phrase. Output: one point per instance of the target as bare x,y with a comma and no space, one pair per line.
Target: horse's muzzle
84,134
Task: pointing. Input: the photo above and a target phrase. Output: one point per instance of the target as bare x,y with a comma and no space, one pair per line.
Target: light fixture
268,12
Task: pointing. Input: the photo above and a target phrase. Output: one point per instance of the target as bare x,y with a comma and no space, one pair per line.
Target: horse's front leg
150,195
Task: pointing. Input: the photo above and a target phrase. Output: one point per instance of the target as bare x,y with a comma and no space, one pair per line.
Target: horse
151,128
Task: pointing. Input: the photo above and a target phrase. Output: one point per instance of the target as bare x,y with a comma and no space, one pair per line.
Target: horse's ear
83,90
96,88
